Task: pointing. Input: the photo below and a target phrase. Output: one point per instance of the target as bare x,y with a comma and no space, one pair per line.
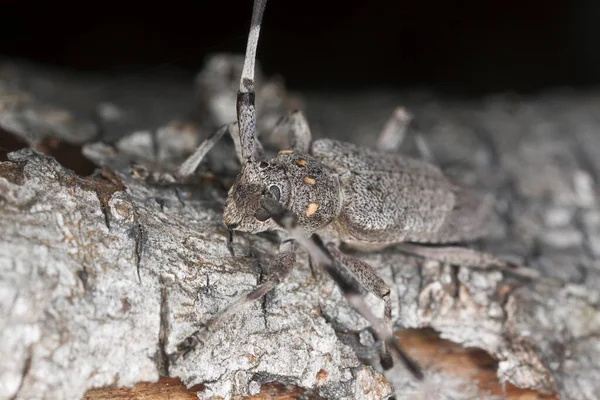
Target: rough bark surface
100,276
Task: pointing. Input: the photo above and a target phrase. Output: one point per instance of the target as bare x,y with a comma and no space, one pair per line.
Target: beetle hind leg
394,133
465,257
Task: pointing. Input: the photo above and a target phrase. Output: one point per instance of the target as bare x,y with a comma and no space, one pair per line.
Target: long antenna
246,110
247,81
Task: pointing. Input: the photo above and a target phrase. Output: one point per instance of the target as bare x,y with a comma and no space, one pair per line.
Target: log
103,273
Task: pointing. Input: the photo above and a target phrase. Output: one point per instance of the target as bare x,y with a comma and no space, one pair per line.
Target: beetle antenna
246,110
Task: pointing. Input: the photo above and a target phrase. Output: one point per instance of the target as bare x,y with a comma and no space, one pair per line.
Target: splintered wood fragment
470,364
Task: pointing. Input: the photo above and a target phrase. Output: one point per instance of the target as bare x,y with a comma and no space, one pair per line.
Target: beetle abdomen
395,207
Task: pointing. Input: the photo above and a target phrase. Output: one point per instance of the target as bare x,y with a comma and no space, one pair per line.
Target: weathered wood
100,276
474,373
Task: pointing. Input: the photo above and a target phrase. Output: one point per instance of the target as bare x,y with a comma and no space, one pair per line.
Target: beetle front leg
189,166
279,268
294,128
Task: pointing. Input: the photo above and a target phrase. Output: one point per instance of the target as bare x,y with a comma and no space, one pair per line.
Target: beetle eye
275,191
262,215
263,165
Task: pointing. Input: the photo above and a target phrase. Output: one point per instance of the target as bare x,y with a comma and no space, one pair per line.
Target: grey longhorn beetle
342,193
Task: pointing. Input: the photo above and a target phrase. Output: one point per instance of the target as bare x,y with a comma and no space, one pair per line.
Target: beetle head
243,210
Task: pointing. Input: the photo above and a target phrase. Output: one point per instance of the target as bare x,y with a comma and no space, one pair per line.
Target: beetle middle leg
322,256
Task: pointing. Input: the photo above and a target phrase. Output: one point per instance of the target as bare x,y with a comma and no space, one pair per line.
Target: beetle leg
466,257
279,268
189,166
368,278
295,128
320,255
394,132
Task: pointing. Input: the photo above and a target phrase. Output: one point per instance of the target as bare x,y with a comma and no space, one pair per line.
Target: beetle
325,192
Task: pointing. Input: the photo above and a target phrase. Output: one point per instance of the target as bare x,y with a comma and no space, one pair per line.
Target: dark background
464,47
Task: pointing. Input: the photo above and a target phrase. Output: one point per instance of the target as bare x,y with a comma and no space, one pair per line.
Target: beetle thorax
302,184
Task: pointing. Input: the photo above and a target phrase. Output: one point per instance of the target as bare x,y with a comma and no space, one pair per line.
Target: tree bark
102,275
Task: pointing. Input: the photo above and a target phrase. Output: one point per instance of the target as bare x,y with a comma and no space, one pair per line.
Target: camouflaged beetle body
344,193
356,194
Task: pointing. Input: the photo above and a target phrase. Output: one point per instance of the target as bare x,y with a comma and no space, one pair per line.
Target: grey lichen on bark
102,275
